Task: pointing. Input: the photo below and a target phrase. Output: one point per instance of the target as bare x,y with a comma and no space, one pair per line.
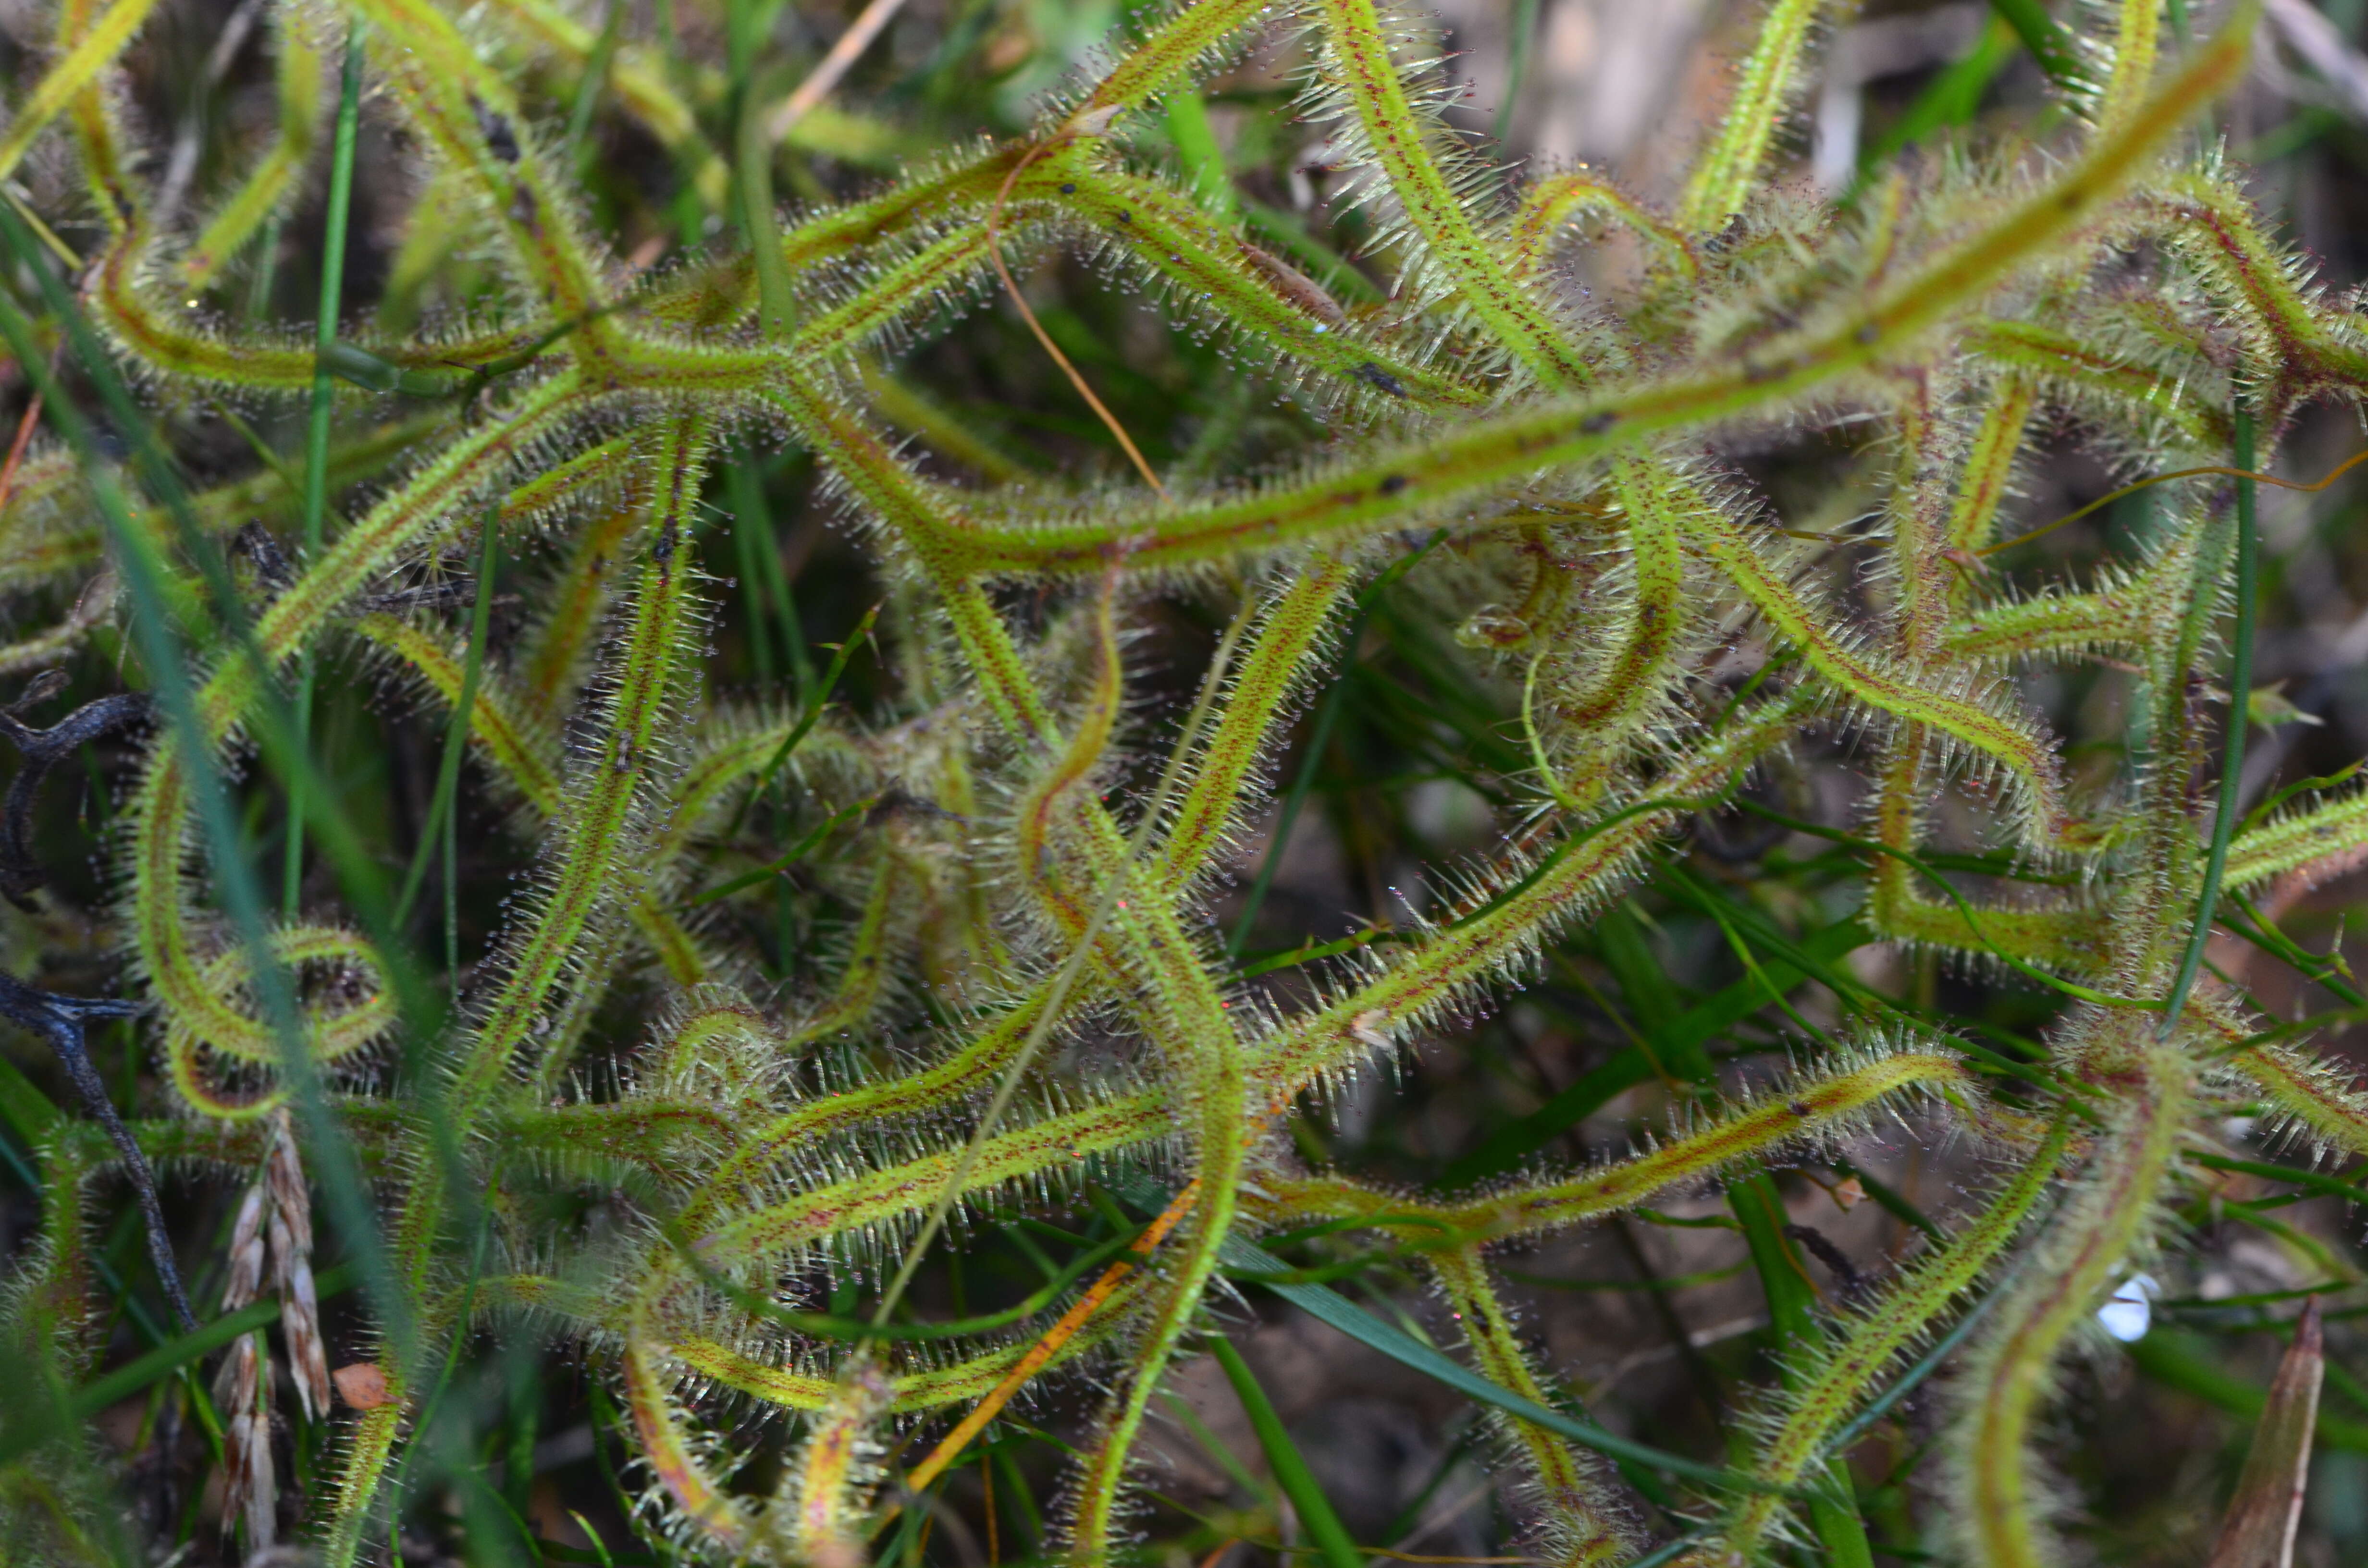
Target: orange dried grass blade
986,1490
835,65
1044,1349
1011,287
16,448
2258,1531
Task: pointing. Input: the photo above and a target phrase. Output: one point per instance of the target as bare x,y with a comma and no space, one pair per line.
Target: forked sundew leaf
2258,1529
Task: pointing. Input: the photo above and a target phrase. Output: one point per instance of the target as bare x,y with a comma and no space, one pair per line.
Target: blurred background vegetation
1406,762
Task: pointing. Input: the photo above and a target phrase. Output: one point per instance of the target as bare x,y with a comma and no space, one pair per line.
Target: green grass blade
748,21
1202,159
2232,764
799,851
1951,100
813,716
2041,35
2181,1361
1519,46
1621,941
2315,1181
455,730
1792,1312
1290,1472
751,535
317,428
587,86
1335,1310
791,630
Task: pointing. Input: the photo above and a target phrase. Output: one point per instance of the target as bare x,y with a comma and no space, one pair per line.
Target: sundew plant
658,692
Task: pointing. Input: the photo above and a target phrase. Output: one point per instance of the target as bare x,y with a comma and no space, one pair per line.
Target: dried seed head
283,1170
250,1487
291,1252
247,1251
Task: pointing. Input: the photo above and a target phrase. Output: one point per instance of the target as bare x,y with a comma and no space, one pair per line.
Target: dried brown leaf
2258,1529
362,1385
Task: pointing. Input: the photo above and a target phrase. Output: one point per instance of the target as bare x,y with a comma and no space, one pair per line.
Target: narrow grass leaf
1282,1457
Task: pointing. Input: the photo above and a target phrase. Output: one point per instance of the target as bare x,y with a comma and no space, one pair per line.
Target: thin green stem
813,716
1292,1475
588,85
2232,761
752,171
1199,152
317,428
1792,1307
1519,44
455,742
2046,39
796,853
